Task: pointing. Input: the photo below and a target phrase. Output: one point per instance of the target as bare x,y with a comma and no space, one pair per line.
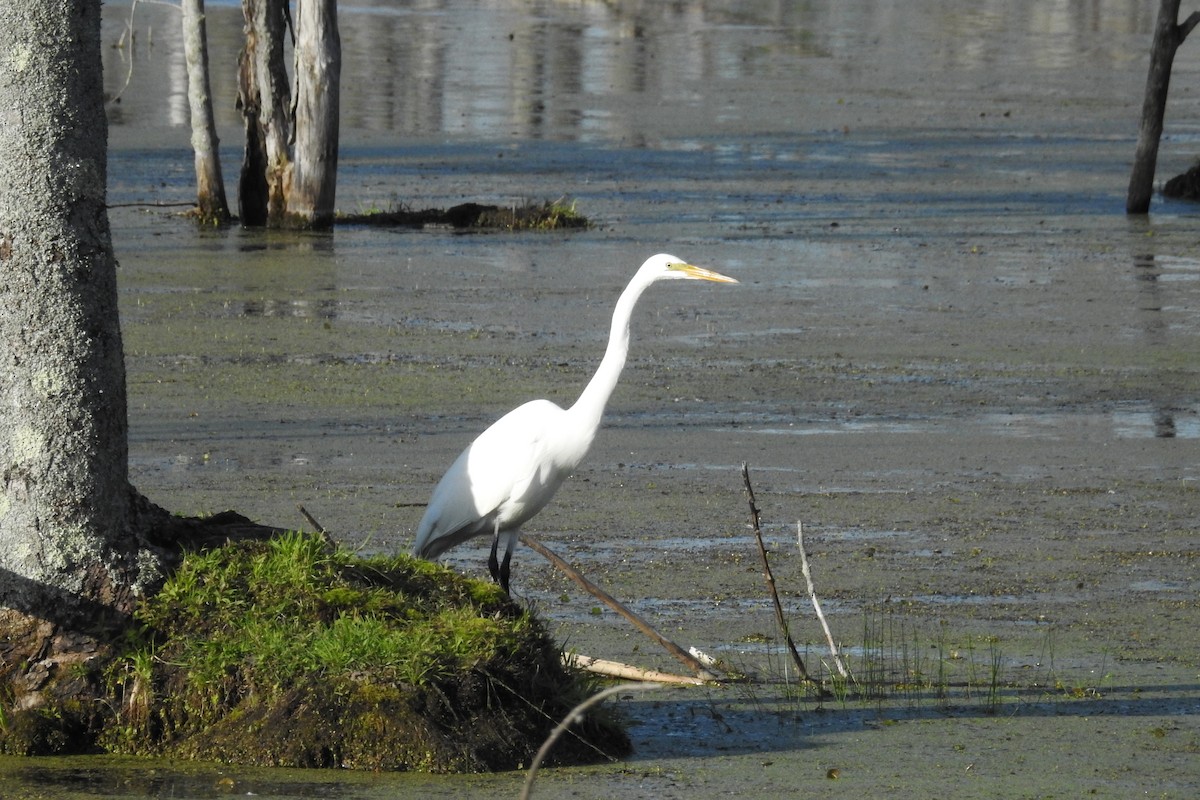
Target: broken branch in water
615,669
812,595
762,549
687,658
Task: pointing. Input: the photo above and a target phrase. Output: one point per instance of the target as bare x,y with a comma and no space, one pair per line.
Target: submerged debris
1185,186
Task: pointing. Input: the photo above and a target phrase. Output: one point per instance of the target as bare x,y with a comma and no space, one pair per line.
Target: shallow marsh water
951,356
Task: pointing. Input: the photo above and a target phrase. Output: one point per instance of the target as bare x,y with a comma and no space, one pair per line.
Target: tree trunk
77,544
64,484
279,187
318,71
264,97
70,568
210,187
1168,35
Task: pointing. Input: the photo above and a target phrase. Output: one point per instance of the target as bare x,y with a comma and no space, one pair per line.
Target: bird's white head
665,267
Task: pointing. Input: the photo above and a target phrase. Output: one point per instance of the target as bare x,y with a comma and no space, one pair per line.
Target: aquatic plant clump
289,653
549,215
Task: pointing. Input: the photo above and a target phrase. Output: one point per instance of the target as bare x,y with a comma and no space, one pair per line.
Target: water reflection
114,777
1137,421
1158,312
588,71
305,309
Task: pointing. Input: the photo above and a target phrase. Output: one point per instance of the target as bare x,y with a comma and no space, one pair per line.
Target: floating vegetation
543,216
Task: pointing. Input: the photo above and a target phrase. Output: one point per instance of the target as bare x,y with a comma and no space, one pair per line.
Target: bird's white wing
508,473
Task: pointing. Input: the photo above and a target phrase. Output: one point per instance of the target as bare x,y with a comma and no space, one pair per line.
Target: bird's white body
538,450
513,468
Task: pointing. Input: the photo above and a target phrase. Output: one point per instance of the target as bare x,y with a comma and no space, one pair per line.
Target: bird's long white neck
589,408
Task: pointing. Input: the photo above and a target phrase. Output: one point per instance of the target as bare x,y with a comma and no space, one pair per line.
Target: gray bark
318,75
264,97
65,551
289,172
210,187
1168,35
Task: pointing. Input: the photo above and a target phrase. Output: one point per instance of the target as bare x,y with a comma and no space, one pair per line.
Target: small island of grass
290,652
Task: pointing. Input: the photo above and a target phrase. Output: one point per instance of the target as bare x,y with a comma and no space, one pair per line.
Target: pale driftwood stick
762,549
812,595
574,715
687,658
615,669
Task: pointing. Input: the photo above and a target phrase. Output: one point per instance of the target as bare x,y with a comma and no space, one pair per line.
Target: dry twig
678,652
812,595
573,716
324,534
762,549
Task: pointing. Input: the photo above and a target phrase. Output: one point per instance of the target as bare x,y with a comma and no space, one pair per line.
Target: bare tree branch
685,657
779,618
1186,26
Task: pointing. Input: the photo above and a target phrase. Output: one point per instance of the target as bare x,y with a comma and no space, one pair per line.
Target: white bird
513,468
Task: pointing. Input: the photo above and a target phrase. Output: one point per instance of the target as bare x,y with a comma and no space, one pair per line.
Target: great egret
513,468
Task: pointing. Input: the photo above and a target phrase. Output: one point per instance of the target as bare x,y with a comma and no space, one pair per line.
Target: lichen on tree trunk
63,433
71,562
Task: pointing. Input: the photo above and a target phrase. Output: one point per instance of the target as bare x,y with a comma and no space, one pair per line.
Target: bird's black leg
504,568
497,568
493,562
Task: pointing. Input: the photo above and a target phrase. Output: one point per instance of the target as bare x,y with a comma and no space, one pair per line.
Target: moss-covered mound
286,652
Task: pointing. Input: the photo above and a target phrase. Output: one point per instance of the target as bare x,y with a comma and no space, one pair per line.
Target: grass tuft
286,652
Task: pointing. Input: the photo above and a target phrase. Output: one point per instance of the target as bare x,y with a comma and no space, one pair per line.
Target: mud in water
951,356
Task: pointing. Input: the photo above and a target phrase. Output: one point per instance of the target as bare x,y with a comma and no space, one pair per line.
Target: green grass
289,652
899,659
289,608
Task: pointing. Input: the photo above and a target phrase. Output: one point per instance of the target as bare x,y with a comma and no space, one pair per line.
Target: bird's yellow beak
699,273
